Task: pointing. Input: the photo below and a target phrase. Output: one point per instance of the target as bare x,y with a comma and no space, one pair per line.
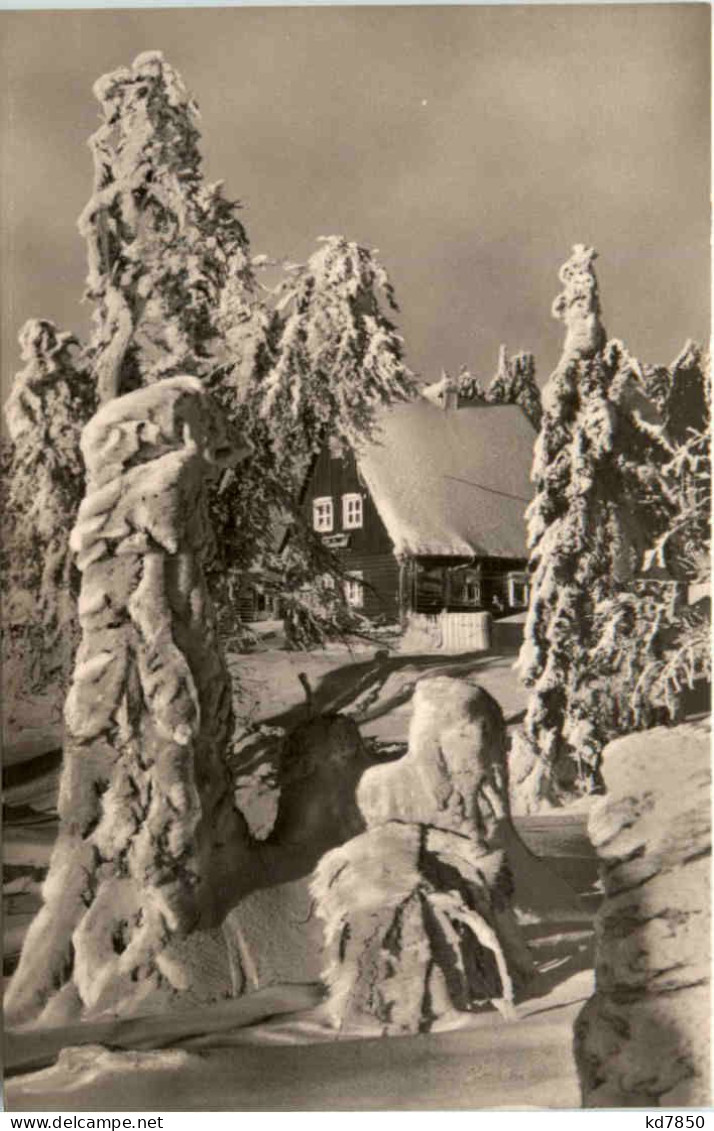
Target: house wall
369,548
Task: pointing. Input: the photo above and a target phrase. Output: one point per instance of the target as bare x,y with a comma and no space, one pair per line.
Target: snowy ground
273,1050
293,1063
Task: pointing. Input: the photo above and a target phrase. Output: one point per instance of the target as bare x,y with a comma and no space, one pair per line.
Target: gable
333,479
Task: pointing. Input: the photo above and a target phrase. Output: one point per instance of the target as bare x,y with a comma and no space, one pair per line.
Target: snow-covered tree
682,547
340,358
654,641
681,392
515,383
165,248
174,292
151,846
597,504
469,386
51,398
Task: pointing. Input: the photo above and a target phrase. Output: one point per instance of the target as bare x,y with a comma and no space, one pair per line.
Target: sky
472,145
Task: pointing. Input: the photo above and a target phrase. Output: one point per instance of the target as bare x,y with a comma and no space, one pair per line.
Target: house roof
452,482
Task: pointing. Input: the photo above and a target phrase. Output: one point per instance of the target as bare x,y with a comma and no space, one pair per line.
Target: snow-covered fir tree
51,399
515,383
597,471
165,248
654,641
340,357
175,291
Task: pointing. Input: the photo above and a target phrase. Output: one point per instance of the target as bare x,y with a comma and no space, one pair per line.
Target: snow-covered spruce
151,847
515,383
51,399
597,474
340,358
654,641
176,291
642,1039
329,359
168,258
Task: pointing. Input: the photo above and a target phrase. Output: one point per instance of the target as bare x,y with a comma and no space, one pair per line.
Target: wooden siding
334,477
380,575
254,604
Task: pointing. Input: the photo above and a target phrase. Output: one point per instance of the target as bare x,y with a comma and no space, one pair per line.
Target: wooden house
430,516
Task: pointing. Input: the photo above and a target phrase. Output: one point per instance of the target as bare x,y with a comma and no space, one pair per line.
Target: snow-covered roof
452,482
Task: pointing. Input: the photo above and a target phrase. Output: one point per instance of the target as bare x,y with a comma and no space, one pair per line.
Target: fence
448,632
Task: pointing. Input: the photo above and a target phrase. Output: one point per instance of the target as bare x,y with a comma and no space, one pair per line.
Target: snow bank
296,1064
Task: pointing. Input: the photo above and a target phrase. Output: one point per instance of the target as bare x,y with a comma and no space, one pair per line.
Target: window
322,514
518,591
354,589
464,587
472,592
351,512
